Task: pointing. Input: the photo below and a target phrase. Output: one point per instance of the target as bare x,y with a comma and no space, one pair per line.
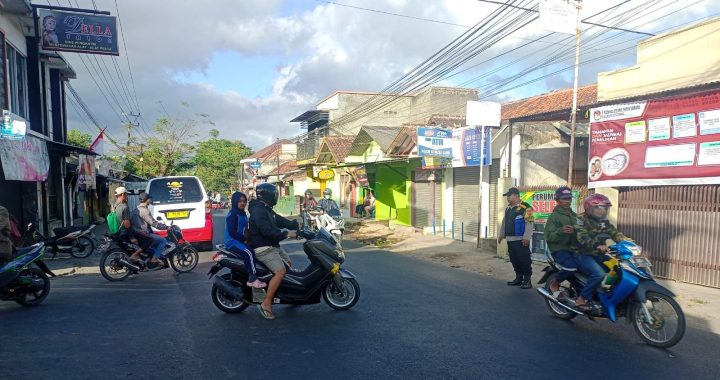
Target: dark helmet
596,206
563,192
267,193
327,191
308,192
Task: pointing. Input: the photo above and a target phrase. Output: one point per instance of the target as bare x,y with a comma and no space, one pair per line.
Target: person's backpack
113,222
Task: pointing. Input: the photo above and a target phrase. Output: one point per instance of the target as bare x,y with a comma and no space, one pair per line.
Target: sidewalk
701,304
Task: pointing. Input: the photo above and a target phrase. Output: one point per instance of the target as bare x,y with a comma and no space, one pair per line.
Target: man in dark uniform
517,229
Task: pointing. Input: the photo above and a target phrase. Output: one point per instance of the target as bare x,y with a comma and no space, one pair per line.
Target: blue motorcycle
628,290
25,279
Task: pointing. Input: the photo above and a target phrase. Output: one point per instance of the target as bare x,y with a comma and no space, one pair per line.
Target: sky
253,65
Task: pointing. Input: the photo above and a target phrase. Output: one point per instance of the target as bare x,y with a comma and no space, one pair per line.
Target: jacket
265,226
6,247
556,239
142,220
592,233
328,204
521,213
236,223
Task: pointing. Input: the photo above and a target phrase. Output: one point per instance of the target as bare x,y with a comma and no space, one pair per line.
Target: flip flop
267,314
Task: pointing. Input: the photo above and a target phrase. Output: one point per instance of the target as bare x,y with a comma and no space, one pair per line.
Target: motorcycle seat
62,231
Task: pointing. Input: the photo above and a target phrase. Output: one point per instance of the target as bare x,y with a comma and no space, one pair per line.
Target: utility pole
279,147
142,161
573,115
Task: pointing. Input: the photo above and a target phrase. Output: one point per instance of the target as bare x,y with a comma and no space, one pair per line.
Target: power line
127,56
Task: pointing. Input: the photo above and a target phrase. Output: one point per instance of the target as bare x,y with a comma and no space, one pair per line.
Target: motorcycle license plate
177,214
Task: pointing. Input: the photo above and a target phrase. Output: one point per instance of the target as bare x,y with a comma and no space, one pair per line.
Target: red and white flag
97,146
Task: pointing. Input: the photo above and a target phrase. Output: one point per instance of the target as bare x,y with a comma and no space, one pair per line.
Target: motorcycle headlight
635,250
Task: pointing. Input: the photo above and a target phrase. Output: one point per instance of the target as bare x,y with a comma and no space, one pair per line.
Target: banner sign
543,203
436,142
86,173
25,160
77,32
671,141
466,147
361,175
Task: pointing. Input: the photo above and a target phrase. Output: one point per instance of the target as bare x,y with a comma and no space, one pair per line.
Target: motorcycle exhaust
129,265
229,289
546,293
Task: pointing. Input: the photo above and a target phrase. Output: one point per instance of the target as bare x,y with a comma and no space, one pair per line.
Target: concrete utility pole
279,147
573,115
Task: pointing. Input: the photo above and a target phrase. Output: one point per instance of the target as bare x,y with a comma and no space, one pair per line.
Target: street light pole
573,116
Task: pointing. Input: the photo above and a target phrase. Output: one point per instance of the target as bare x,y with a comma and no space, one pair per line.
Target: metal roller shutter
426,196
494,176
466,190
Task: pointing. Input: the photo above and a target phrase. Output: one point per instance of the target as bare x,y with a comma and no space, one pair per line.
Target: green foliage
166,151
78,138
217,162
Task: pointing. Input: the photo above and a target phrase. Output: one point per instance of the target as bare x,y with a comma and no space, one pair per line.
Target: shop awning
67,149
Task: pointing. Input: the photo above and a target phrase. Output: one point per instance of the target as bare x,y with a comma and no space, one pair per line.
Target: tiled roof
285,168
404,142
269,151
447,121
553,101
339,146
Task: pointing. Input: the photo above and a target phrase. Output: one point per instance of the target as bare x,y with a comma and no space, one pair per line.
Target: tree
165,152
217,161
79,138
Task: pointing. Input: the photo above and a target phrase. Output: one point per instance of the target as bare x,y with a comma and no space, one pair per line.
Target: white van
183,201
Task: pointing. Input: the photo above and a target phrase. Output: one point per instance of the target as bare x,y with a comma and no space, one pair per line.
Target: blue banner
77,32
468,148
434,142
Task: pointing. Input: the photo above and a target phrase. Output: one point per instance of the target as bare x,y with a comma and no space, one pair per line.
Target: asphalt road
415,319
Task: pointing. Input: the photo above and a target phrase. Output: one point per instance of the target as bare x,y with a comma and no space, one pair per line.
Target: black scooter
77,241
25,278
338,287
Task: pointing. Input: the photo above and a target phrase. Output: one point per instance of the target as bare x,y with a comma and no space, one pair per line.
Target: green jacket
555,238
587,230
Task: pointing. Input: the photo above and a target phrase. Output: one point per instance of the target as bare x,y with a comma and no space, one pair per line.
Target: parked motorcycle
632,293
323,276
77,241
332,221
23,282
116,265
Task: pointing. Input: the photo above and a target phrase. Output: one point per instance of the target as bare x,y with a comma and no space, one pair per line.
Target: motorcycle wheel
666,313
83,247
340,300
224,301
185,259
110,268
35,298
555,309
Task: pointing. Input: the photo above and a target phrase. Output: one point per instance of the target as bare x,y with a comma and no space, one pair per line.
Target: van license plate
178,214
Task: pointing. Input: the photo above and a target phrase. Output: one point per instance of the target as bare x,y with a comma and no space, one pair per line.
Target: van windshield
175,190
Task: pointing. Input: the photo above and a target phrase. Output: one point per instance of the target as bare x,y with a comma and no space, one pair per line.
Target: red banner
671,141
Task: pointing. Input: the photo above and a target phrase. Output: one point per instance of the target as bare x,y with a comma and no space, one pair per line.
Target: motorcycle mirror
159,219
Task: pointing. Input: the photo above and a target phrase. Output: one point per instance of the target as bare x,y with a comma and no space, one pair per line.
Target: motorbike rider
593,229
560,237
236,224
265,235
308,204
327,203
142,223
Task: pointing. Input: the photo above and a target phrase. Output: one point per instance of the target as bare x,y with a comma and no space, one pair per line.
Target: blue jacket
235,224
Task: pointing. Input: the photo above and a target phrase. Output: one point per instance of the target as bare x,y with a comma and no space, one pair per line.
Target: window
175,190
17,76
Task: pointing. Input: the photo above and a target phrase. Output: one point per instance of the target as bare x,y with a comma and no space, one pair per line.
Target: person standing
560,237
6,246
517,229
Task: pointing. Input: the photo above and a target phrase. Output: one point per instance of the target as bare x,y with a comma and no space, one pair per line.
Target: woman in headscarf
236,225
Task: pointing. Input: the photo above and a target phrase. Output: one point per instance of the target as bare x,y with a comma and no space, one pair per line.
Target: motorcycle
77,241
310,219
629,290
22,282
323,276
332,221
116,265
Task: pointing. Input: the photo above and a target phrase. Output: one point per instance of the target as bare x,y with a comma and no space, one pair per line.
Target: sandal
267,314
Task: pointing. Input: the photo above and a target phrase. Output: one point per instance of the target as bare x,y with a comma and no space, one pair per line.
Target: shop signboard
469,148
24,160
86,172
671,141
77,32
12,127
435,142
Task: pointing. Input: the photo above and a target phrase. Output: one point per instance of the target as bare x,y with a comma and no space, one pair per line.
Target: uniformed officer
517,229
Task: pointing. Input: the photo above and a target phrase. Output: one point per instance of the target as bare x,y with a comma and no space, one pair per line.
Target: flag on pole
97,145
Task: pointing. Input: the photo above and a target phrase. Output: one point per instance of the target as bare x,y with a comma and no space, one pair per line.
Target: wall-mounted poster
682,145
